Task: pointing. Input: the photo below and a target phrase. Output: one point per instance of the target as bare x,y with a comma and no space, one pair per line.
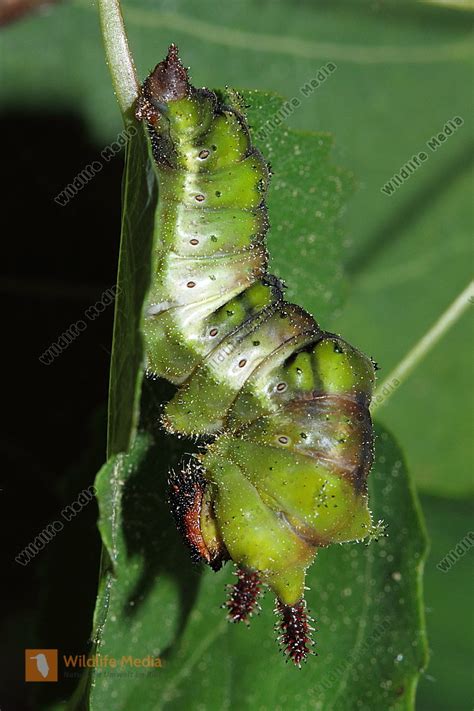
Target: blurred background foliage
403,70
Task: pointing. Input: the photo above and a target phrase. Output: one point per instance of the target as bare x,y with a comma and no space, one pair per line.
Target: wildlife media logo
41,664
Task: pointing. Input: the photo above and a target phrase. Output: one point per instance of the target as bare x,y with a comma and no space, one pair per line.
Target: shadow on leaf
149,530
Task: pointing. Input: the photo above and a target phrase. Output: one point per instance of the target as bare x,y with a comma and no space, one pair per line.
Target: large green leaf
366,600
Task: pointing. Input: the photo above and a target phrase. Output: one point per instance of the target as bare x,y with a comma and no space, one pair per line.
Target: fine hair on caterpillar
282,404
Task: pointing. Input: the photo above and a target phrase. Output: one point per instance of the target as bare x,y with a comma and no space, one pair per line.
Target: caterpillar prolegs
282,404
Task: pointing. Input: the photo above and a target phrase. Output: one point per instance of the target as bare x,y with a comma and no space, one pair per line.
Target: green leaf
127,363
366,601
305,200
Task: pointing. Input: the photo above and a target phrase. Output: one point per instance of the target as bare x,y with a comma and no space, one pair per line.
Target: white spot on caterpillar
158,308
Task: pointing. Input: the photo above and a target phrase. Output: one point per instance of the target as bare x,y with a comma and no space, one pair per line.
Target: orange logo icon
41,664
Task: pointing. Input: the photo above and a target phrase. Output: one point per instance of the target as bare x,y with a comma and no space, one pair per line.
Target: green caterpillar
284,404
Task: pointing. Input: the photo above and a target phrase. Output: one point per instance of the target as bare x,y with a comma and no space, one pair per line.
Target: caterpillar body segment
285,402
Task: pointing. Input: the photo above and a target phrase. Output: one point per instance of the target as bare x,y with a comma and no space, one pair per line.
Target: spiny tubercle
295,631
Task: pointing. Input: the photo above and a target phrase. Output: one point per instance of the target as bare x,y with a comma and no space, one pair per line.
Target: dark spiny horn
186,497
295,630
243,596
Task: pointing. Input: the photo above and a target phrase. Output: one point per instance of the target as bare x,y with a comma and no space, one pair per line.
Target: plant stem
423,347
118,57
